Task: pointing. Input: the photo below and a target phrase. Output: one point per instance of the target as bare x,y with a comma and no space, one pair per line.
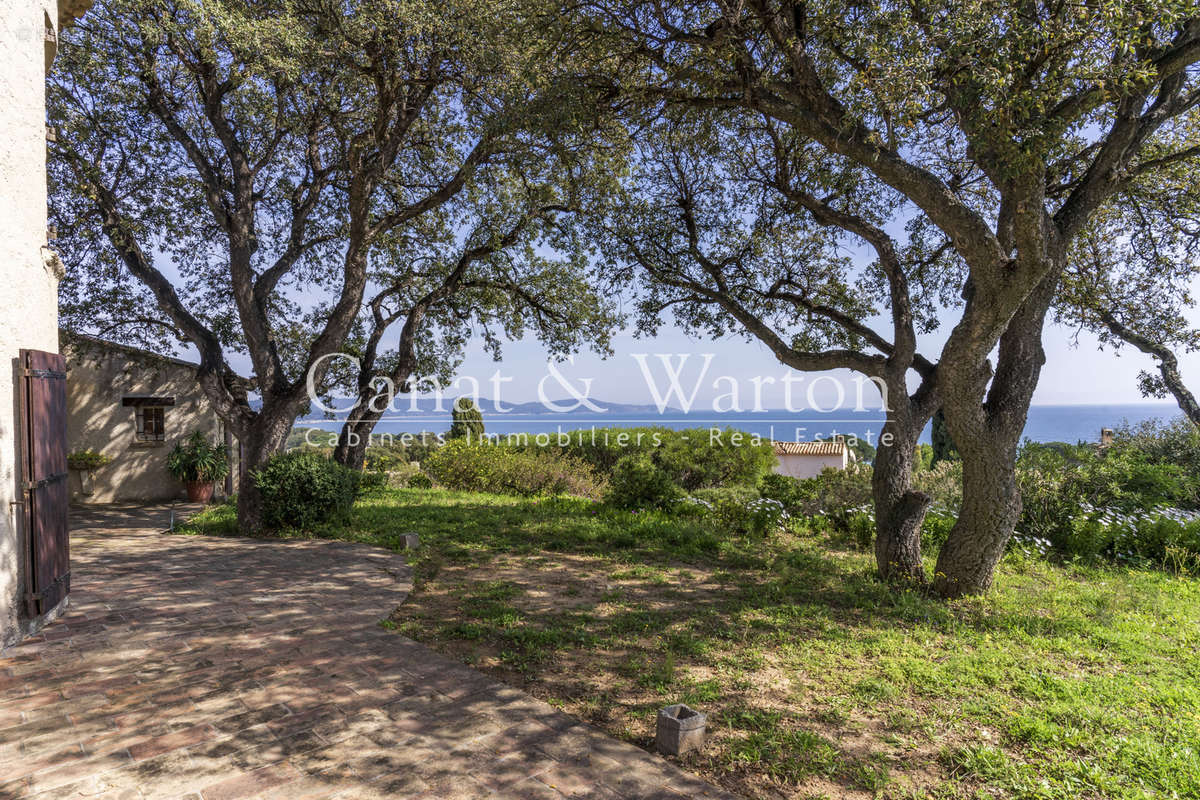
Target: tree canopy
992,133
247,163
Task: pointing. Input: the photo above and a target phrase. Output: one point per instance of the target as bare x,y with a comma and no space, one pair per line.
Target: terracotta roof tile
824,448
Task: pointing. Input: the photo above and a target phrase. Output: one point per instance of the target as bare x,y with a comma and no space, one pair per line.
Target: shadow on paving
227,667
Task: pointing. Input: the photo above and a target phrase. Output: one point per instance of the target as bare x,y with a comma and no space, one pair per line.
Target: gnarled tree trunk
266,438
899,509
988,433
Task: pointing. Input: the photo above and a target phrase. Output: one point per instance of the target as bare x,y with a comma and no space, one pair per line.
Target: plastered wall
28,308
98,378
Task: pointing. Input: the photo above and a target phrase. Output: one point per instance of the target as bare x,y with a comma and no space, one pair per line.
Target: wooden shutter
43,400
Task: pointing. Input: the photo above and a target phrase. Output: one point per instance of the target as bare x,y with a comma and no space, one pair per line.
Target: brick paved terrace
195,667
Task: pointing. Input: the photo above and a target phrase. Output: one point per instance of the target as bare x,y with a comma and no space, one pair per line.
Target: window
149,417
150,423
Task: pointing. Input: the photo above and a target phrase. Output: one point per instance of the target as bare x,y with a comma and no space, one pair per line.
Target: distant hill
429,406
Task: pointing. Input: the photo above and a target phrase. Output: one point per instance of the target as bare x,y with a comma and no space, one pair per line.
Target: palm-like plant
198,460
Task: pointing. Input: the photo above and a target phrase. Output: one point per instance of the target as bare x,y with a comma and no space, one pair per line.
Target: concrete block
409,541
680,730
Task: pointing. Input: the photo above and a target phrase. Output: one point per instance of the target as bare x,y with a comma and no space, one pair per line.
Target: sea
1046,423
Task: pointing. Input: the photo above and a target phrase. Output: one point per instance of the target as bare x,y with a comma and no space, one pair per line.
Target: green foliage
923,458
836,492
935,529
864,452
1132,500
784,488
460,464
303,488
419,480
737,509
87,460
372,482
197,459
942,443
385,458
1065,681
694,459
466,421
637,482
943,483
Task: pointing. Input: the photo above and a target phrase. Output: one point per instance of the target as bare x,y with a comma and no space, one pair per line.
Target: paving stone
223,668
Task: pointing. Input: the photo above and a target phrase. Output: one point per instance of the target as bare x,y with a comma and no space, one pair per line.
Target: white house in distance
808,459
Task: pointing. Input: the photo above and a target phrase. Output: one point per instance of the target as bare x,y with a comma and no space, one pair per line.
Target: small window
150,423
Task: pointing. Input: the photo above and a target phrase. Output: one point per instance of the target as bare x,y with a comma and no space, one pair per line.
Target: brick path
196,667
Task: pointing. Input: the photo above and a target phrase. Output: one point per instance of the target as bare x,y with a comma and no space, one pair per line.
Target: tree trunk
355,438
990,510
266,437
899,510
986,424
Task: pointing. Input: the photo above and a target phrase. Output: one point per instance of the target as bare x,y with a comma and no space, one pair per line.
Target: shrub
693,459
836,491
419,480
943,484
791,492
739,509
936,528
1058,481
303,488
385,458
1159,535
197,459
477,467
372,482
637,482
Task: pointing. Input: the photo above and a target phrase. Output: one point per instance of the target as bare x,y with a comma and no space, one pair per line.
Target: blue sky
1072,375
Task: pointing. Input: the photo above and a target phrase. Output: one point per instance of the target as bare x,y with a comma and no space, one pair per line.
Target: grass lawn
1065,682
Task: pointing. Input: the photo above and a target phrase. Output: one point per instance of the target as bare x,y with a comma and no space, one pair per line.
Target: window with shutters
149,417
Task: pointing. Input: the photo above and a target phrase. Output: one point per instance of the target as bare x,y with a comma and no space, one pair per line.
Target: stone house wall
106,384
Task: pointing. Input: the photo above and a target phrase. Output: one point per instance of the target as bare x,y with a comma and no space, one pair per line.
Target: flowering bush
737,509
1165,536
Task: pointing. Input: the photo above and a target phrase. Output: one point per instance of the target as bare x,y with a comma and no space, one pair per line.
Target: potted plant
199,464
85,462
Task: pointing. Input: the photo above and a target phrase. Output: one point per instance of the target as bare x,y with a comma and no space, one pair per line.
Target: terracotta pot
200,491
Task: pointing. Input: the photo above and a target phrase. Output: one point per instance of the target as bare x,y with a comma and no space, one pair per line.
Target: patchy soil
617,683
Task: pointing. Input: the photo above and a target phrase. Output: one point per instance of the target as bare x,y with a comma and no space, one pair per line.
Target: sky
1073,375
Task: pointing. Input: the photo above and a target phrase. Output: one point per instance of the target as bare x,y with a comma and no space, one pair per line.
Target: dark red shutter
44,472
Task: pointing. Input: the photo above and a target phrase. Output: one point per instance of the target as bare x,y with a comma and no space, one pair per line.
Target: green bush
1160,536
637,482
693,459
837,491
1058,481
499,469
739,509
795,495
385,458
303,488
372,482
1131,500
419,480
936,528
